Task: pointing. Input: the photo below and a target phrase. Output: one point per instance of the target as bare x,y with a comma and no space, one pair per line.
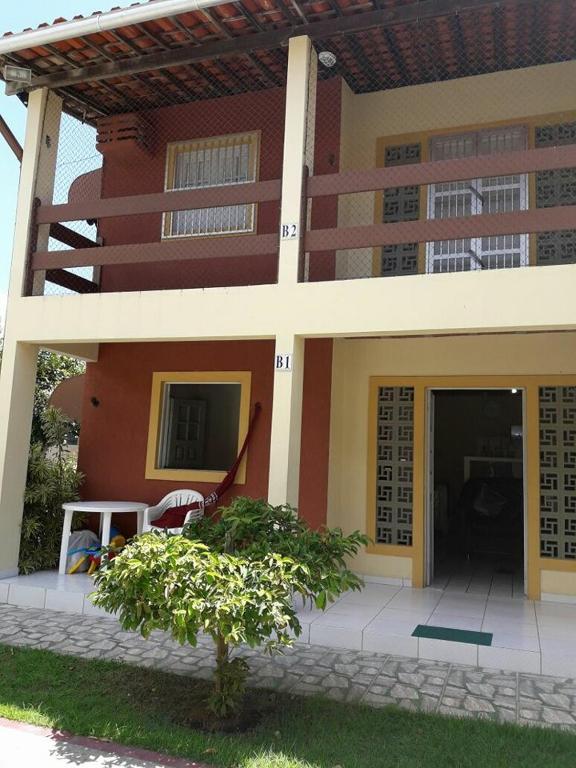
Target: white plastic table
104,508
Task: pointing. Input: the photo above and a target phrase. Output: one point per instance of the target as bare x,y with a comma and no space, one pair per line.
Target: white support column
36,180
17,382
284,476
298,151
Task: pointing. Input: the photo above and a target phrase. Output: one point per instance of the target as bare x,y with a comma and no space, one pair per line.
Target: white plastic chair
173,499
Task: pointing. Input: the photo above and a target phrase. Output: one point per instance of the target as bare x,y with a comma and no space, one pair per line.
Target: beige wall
557,583
468,101
355,360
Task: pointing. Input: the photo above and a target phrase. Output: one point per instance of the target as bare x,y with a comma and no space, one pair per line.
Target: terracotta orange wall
131,171
112,452
314,454
324,214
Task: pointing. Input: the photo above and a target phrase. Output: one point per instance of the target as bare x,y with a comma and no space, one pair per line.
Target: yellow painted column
532,463
17,382
298,152
36,181
18,372
284,473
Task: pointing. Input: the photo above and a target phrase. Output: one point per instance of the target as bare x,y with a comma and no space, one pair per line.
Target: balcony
443,142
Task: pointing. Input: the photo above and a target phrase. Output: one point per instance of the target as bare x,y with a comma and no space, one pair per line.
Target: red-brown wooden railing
335,238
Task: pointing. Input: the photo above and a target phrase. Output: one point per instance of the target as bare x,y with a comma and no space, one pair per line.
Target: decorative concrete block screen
401,204
558,472
556,188
395,467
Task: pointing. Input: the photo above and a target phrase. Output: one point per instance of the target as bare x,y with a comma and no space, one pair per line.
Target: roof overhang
160,53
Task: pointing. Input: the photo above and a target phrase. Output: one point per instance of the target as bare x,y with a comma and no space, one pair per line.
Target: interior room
478,491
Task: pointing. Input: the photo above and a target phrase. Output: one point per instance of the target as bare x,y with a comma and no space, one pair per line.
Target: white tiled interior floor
481,576
535,637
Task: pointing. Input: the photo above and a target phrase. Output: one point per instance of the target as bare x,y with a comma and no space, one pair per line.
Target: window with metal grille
499,194
213,162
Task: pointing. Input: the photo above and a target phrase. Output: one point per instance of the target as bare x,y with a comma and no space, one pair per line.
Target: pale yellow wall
355,360
557,583
468,101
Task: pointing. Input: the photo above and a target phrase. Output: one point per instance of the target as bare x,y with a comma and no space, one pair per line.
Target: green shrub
52,480
235,578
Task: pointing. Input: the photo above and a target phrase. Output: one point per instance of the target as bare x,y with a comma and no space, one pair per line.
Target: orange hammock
168,519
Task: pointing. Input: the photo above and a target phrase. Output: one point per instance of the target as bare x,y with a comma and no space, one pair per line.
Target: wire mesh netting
461,116
228,133
472,92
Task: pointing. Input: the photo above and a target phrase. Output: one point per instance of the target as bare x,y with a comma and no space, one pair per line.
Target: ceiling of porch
242,46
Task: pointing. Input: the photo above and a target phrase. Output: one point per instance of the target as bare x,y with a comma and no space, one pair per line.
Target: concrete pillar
37,174
298,152
284,475
18,372
17,382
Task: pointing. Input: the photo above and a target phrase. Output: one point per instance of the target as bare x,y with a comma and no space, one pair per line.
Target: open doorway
476,491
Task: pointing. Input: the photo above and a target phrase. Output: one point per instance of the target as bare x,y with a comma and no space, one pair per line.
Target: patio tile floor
527,636
372,678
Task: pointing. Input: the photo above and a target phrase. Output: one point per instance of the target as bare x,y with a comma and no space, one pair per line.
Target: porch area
533,637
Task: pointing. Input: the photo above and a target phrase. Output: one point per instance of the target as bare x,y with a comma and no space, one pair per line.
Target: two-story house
361,216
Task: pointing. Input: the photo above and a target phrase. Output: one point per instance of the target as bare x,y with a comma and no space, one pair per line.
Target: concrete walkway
29,745
354,676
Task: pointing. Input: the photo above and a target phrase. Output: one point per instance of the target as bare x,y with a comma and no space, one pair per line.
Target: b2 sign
289,231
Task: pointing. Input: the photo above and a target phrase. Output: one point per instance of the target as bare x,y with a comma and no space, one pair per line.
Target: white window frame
476,254
247,210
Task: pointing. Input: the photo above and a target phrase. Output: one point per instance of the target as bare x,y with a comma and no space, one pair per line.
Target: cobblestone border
351,676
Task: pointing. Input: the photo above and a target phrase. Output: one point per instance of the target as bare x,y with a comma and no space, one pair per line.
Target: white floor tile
514,641
556,631
445,650
342,621
563,665
555,610
335,637
549,597
415,599
406,617
400,645
453,621
31,597
470,606
392,626
4,592
372,594
509,627
508,659
69,602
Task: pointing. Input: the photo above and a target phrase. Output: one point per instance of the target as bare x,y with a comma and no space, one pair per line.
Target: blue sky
14,17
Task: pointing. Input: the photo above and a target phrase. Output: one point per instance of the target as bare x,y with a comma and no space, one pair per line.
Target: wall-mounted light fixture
327,58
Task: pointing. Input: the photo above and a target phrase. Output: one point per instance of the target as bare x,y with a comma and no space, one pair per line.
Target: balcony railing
327,242
83,252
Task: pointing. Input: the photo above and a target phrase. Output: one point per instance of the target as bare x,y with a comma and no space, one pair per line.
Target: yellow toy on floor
116,546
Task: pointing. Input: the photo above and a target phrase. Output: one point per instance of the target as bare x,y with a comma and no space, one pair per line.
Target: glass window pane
199,426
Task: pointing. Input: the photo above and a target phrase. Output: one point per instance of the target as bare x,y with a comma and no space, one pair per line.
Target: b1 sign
283,362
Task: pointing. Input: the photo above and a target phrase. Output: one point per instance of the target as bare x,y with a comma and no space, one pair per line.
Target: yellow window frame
159,382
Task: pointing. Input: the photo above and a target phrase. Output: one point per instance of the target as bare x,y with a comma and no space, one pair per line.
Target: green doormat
455,635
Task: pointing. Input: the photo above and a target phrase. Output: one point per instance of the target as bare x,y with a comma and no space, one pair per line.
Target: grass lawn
138,707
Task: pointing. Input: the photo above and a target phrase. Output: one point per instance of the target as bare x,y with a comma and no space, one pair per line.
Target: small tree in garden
234,577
